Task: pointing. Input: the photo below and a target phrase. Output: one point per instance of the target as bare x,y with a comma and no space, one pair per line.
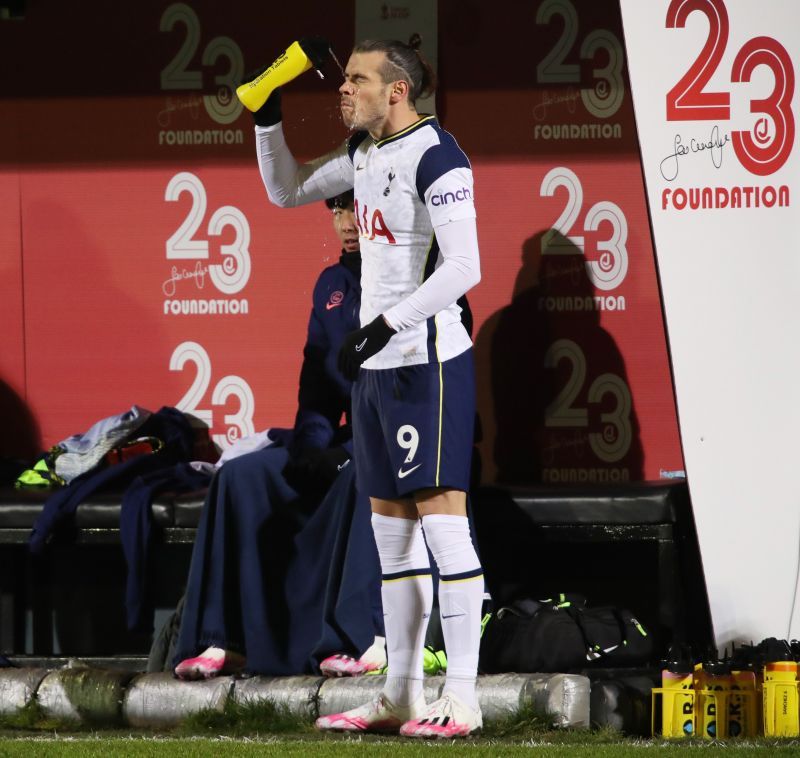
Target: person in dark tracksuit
284,573
319,441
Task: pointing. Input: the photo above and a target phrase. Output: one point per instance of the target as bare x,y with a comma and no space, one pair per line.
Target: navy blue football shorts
413,427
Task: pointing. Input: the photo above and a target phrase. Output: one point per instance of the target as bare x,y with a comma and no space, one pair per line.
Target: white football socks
460,600
407,594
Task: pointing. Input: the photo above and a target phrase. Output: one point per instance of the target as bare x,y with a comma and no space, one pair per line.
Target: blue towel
282,580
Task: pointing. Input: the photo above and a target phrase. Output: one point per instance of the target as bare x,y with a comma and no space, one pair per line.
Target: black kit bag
528,636
532,636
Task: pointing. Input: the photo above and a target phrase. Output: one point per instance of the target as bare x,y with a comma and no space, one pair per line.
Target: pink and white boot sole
445,718
345,665
380,715
207,666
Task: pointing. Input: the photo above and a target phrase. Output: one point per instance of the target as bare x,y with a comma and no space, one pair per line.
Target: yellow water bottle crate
713,703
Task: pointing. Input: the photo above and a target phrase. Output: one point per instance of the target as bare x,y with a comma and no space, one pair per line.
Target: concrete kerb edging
18,688
99,696
160,700
83,694
299,694
566,697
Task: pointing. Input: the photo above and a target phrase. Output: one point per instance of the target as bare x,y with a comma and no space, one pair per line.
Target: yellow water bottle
712,681
742,705
781,718
288,65
675,696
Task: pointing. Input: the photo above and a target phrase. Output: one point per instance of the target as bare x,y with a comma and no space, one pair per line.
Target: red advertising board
157,272
21,436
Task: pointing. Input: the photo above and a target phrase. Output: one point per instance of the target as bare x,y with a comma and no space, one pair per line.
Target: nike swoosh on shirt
360,347
453,615
402,474
332,305
359,168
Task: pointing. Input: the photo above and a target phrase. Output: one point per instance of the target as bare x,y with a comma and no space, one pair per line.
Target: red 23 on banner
687,101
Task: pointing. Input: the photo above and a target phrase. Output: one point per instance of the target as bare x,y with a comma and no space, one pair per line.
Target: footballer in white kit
409,189
412,366
405,185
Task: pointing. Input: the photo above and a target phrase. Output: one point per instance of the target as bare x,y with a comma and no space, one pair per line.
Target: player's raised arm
287,182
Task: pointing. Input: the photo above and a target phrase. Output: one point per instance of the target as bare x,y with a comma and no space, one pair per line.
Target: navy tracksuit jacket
324,394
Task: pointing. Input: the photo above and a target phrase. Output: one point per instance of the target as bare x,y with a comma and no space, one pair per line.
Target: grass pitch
262,728
103,745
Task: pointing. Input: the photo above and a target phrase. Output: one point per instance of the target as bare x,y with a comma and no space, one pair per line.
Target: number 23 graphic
688,100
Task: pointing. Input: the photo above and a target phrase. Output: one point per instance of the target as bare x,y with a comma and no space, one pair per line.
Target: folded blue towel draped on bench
136,521
281,580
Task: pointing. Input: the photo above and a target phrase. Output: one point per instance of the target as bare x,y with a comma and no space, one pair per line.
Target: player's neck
395,122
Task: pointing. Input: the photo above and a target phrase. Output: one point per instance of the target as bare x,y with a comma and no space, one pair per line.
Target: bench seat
528,537
19,509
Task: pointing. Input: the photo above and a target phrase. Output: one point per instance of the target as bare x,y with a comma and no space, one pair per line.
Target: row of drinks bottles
752,692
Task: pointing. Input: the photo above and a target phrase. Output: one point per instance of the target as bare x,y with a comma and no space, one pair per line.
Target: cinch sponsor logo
451,197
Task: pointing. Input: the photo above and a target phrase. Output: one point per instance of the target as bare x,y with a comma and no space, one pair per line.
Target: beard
360,115
350,117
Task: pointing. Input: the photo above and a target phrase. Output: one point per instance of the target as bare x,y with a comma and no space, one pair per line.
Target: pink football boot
380,715
446,717
212,662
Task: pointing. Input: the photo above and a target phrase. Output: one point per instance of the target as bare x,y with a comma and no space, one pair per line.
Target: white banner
399,20
713,84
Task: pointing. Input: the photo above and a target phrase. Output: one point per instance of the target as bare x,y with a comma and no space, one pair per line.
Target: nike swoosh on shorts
402,474
360,347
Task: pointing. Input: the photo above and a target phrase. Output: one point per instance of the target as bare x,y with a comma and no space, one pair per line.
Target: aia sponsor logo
372,225
335,300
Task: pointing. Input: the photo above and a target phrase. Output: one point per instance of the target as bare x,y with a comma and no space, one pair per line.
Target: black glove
362,344
268,114
313,472
317,49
